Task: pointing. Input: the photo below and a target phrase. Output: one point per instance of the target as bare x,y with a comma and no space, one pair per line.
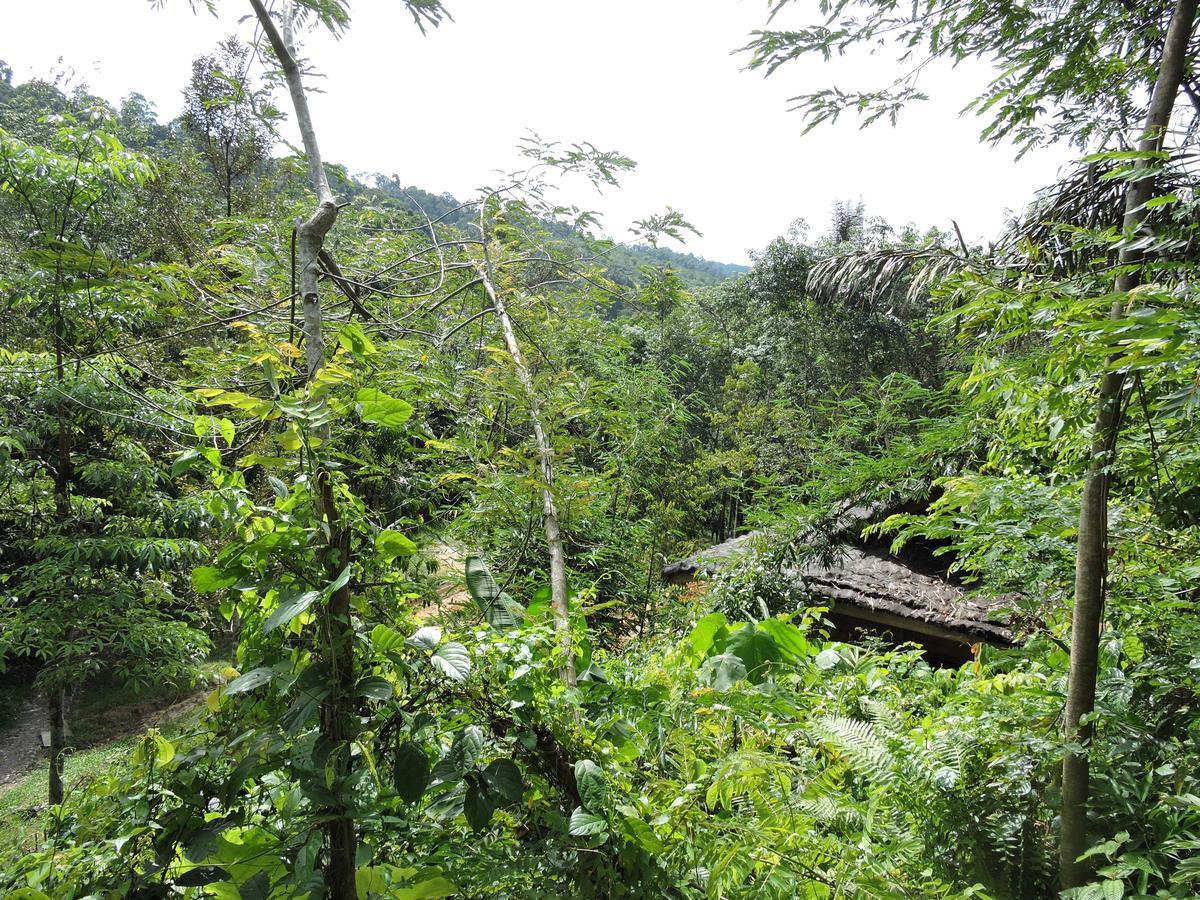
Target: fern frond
861,747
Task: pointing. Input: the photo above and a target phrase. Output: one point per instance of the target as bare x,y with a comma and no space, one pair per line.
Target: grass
28,794
106,723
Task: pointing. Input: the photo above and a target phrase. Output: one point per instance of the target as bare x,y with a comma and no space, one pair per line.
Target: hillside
622,263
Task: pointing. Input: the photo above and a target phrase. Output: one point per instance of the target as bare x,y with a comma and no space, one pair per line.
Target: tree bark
1092,542
558,562
337,720
63,466
56,710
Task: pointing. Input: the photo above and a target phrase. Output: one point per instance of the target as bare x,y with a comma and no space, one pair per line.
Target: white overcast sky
654,79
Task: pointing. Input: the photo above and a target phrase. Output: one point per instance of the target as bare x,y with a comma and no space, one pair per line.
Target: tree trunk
558,560
62,515
1090,567
56,713
337,710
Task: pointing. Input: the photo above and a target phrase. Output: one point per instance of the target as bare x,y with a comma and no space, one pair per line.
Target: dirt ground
452,593
97,715
20,740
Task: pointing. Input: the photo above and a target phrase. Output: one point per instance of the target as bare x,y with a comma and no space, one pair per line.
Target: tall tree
81,444
225,118
337,719
1092,541
337,715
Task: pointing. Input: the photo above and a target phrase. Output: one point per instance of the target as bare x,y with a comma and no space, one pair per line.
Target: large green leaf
452,660
197,876
410,773
586,824
392,544
480,583
249,681
755,648
722,671
792,644
378,408
478,806
709,633
642,834
504,778
427,637
374,687
429,889
289,607
354,339
593,786
206,579
384,638
465,749
499,610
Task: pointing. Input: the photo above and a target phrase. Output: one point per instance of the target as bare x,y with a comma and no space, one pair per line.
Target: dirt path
451,593
20,740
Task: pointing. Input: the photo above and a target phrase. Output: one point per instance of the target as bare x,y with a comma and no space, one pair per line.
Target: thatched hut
871,591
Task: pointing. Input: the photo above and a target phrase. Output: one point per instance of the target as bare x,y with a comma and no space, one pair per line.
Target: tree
1092,540
68,438
228,118
337,714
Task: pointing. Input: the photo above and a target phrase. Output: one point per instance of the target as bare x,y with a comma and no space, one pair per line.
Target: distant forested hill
623,262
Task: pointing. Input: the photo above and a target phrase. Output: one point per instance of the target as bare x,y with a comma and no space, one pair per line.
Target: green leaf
338,583
202,842
504,778
392,544
427,637
378,408
755,648
499,610
710,631
465,749
429,889
1164,200
593,787
375,688
585,824
478,806
723,671
480,583
164,750
185,461
206,579
453,661
197,877
384,638
278,487
255,678
789,639
828,659
303,709
289,608
410,773
642,834
355,340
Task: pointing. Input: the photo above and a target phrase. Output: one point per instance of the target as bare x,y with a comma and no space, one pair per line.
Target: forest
461,550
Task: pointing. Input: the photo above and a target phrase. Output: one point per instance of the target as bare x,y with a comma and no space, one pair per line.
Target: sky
654,79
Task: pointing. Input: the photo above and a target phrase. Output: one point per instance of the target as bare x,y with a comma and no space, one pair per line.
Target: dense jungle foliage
413,467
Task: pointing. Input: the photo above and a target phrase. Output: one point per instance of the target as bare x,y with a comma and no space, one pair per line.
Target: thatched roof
870,588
